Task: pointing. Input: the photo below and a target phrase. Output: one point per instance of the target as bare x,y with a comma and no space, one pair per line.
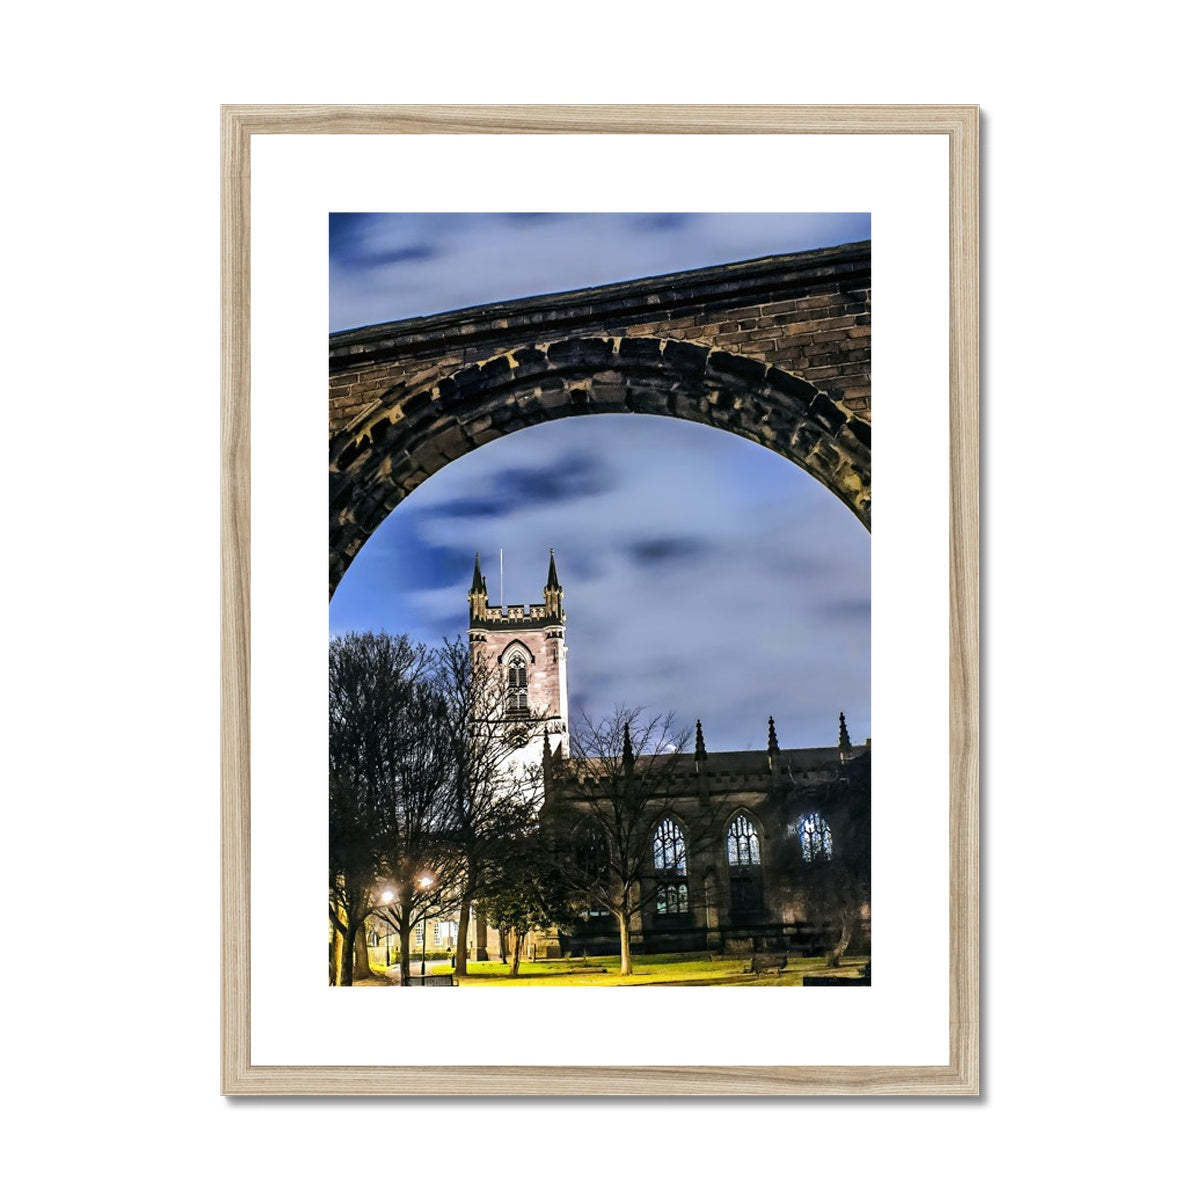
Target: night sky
702,574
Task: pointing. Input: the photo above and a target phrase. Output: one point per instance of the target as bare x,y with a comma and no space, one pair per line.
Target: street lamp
424,883
387,898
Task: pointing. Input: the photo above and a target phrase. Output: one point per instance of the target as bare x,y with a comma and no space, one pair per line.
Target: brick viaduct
777,350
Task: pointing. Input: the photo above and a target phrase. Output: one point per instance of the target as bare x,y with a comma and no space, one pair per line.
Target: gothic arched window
670,850
816,840
518,685
742,843
670,865
745,866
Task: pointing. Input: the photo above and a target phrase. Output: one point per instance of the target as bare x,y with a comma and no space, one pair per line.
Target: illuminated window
742,843
672,898
745,866
816,841
670,851
670,864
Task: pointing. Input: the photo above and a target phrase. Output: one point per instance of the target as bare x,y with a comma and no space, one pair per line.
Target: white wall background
111,499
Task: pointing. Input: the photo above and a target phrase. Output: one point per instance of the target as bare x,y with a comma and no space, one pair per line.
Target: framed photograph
500,383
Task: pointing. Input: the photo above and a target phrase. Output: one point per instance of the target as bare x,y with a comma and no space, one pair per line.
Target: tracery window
670,850
670,864
518,685
816,840
742,843
745,866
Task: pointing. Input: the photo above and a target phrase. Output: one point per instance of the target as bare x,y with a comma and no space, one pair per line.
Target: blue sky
702,574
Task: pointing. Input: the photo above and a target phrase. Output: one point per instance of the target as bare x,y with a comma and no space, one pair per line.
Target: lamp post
424,883
387,898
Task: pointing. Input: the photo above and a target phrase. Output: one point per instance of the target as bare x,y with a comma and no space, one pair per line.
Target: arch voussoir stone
403,402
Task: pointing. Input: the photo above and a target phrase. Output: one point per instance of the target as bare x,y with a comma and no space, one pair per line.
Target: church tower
524,644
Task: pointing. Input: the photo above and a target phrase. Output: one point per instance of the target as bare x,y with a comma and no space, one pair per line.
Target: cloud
471,507
390,266
853,610
507,491
654,551
660,222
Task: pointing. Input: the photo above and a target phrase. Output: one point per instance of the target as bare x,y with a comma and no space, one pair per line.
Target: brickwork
776,350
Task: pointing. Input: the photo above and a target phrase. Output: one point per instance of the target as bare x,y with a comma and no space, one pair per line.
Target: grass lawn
693,970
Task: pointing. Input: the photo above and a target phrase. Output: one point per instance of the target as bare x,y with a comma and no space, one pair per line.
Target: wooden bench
432,981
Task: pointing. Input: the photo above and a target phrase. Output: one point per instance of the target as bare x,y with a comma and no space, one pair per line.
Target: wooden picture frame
959,125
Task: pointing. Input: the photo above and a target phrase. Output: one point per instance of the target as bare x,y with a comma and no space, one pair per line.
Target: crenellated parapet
516,616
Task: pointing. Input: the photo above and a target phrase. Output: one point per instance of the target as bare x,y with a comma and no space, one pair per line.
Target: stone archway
775,350
409,436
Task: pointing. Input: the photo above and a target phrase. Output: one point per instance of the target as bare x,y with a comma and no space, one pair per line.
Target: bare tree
372,678
423,859
423,794
494,799
604,805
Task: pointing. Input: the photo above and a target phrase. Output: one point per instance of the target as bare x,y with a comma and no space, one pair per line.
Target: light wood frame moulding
960,1076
